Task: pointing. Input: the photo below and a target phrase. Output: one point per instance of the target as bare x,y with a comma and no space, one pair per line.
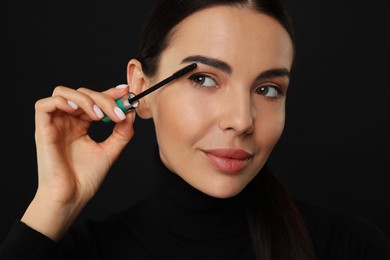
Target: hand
71,165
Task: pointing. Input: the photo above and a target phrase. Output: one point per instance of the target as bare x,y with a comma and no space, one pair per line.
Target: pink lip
228,160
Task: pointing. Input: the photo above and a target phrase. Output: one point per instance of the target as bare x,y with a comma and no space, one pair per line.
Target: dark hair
277,228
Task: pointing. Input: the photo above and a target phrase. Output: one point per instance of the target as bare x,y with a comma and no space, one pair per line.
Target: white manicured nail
119,113
72,104
122,86
98,111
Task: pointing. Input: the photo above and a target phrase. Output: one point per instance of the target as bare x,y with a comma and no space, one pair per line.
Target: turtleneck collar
185,211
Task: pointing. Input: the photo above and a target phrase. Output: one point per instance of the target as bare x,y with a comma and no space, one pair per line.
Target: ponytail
278,230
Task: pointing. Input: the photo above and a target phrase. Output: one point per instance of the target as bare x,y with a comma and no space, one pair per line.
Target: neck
186,211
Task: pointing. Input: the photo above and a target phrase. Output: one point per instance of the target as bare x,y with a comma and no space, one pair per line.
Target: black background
335,148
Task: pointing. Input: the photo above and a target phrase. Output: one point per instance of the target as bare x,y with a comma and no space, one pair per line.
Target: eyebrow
225,67
216,63
274,73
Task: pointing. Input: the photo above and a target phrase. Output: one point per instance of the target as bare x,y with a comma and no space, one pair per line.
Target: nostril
239,125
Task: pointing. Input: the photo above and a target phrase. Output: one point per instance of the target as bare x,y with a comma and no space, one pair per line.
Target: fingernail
122,86
72,104
119,113
98,111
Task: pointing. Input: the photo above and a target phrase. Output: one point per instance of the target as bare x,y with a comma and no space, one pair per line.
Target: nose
237,113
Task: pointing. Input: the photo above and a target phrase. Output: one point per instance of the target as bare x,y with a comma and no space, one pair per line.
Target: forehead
234,34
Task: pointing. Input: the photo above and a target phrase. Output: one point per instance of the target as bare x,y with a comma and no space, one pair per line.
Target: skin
230,112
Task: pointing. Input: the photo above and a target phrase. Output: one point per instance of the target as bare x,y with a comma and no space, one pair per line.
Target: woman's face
217,125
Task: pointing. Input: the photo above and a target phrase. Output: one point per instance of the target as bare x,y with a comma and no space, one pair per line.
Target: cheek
179,119
269,126
271,134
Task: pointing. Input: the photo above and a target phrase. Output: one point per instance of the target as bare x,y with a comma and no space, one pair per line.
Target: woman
216,127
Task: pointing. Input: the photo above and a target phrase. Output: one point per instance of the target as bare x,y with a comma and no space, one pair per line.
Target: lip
228,160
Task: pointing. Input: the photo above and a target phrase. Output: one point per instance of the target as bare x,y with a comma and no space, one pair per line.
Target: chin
223,192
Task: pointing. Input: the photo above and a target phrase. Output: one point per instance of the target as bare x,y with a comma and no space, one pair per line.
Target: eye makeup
130,101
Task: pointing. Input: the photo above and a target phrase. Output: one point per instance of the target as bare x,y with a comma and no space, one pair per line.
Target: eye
270,91
203,81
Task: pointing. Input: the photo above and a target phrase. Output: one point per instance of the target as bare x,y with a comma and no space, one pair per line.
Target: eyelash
279,92
198,81
196,78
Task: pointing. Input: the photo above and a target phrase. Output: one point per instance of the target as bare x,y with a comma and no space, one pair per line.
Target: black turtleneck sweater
177,221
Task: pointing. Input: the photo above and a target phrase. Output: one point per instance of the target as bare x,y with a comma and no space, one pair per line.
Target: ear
136,80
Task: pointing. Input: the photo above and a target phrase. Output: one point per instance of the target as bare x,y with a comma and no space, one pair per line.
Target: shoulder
339,234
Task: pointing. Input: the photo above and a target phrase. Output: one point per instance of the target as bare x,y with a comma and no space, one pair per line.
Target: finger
46,106
117,91
86,105
107,101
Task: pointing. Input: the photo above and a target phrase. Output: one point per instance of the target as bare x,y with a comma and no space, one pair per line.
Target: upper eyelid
268,84
205,74
272,81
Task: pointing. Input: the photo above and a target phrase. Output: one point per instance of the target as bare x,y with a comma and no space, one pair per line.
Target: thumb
120,136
